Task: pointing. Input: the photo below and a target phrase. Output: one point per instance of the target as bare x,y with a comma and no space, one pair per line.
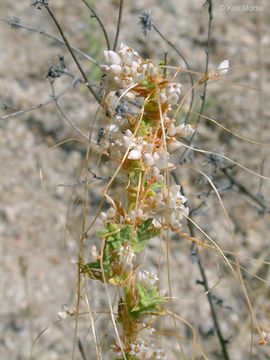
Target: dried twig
16,24
47,102
72,52
195,254
204,282
207,50
245,191
187,66
99,21
81,349
70,122
118,24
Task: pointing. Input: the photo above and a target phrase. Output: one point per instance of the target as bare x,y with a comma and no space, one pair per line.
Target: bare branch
81,349
100,23
207,50
245,191
47,102
195,253
72,52
187,66
74,127
118,24
15,23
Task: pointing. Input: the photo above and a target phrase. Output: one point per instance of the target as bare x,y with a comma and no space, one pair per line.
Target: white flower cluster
155,162
122,69
139,348
171,94
160,354
180,130
173,199
128,259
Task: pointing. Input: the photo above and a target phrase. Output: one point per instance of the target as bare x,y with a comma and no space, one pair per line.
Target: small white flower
130,95
160,178
173,99
148,159
127,54
151,69
155,171
162,161
115,69
93,253
223,67
171,130
135,155
118,82
126,70
188,130
111,58
147,332
162,98
65,313
105,69
184,130
160,354
62,315
175,223
103,216
146,279
174,145
173,88
111,212
126,254
138,348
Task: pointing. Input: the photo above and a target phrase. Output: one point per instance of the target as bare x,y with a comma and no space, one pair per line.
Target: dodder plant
139,147
141,132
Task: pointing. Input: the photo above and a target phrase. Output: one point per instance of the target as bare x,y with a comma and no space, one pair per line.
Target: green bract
122,235
147,303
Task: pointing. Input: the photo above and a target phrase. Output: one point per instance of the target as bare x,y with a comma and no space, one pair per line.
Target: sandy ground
38,239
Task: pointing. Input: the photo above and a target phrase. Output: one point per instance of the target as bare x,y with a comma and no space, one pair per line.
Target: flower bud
116,69
148,159
135,155
114,58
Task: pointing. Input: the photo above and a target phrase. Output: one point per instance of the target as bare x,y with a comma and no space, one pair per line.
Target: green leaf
157,185
143,231
109,228
143,235
138,246
125,233
101,233
145,225
147,303
148,297
116,245
148,84
94,265
149,234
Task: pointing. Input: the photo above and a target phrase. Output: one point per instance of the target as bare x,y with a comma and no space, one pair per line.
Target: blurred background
38,239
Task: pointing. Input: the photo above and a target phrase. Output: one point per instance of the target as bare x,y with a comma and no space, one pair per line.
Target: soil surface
40,167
